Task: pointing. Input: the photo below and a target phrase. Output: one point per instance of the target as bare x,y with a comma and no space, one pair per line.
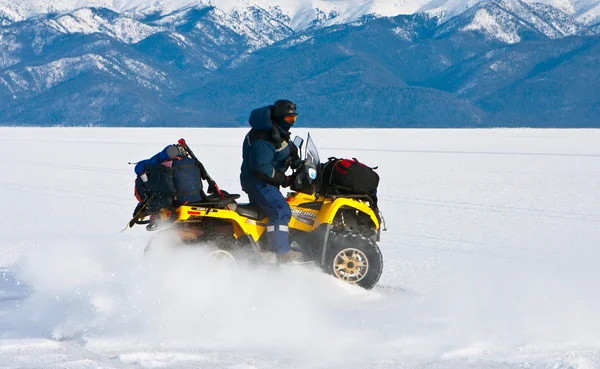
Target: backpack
346,176
168,179
156,187
187,177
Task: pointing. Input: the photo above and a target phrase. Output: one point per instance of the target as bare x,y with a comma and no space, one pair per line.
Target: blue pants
278,210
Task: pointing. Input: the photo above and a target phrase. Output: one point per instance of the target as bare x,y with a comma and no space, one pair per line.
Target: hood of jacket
260,119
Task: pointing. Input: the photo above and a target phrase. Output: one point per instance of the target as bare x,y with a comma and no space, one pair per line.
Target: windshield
312,154
312,160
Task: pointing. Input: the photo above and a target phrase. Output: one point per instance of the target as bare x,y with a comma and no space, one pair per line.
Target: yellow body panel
241,225
303,219
328,211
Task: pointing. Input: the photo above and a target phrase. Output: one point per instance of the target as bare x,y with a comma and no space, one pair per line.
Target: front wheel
354,258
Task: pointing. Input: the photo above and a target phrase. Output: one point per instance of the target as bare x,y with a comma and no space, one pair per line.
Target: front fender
331,207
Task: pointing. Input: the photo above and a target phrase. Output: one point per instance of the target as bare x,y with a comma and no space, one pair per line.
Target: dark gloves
296,163
279,178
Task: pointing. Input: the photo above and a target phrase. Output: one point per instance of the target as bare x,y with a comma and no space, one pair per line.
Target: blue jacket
265,152
168,152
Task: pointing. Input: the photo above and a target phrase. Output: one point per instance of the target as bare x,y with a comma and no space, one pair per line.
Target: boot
269,257
289,257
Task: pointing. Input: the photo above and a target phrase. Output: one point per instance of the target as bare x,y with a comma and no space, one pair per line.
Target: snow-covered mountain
510,21
208,35
300,14
590,14
189,63
90,20
582,10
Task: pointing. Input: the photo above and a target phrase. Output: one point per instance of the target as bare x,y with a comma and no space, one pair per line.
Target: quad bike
338,233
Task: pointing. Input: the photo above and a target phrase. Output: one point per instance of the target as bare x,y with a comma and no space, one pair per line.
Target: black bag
169,179
345,176
187,177
155,185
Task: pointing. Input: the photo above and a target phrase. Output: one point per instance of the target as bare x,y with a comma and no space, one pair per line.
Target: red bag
348,176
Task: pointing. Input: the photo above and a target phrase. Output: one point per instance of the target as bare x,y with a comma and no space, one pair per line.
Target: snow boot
289,257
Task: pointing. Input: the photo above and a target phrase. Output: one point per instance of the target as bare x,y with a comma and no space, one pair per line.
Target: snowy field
492,258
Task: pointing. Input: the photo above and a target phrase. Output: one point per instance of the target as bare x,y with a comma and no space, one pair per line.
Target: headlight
312,173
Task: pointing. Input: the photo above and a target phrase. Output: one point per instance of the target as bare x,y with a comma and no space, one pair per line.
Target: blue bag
169,178
187,176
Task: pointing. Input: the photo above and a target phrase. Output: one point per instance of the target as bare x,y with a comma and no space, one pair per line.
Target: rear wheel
221,259
163,241
354,258
220,251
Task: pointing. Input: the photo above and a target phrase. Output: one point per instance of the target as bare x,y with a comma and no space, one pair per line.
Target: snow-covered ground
492,258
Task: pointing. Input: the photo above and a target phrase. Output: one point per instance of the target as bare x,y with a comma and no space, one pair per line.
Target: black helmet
281,108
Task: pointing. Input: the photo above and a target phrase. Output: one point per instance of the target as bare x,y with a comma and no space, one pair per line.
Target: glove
296,163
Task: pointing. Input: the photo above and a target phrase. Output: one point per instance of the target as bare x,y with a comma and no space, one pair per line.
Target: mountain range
455,63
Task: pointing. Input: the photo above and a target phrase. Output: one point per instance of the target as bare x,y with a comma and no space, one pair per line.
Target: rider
267,154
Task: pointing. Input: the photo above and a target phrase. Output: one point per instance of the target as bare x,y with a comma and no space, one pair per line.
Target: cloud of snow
109,294
500,261
94,289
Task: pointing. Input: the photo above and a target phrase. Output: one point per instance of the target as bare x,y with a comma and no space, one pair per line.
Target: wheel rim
222,257
350,265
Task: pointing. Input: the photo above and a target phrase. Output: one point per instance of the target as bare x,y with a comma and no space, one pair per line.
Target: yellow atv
338,233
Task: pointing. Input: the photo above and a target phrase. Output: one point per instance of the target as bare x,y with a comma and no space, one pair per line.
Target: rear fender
242,225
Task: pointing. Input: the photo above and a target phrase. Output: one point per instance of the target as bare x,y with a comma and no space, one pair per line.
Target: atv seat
251,211
215,201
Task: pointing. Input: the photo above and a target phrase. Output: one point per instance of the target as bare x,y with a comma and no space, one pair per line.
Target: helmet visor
291,119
